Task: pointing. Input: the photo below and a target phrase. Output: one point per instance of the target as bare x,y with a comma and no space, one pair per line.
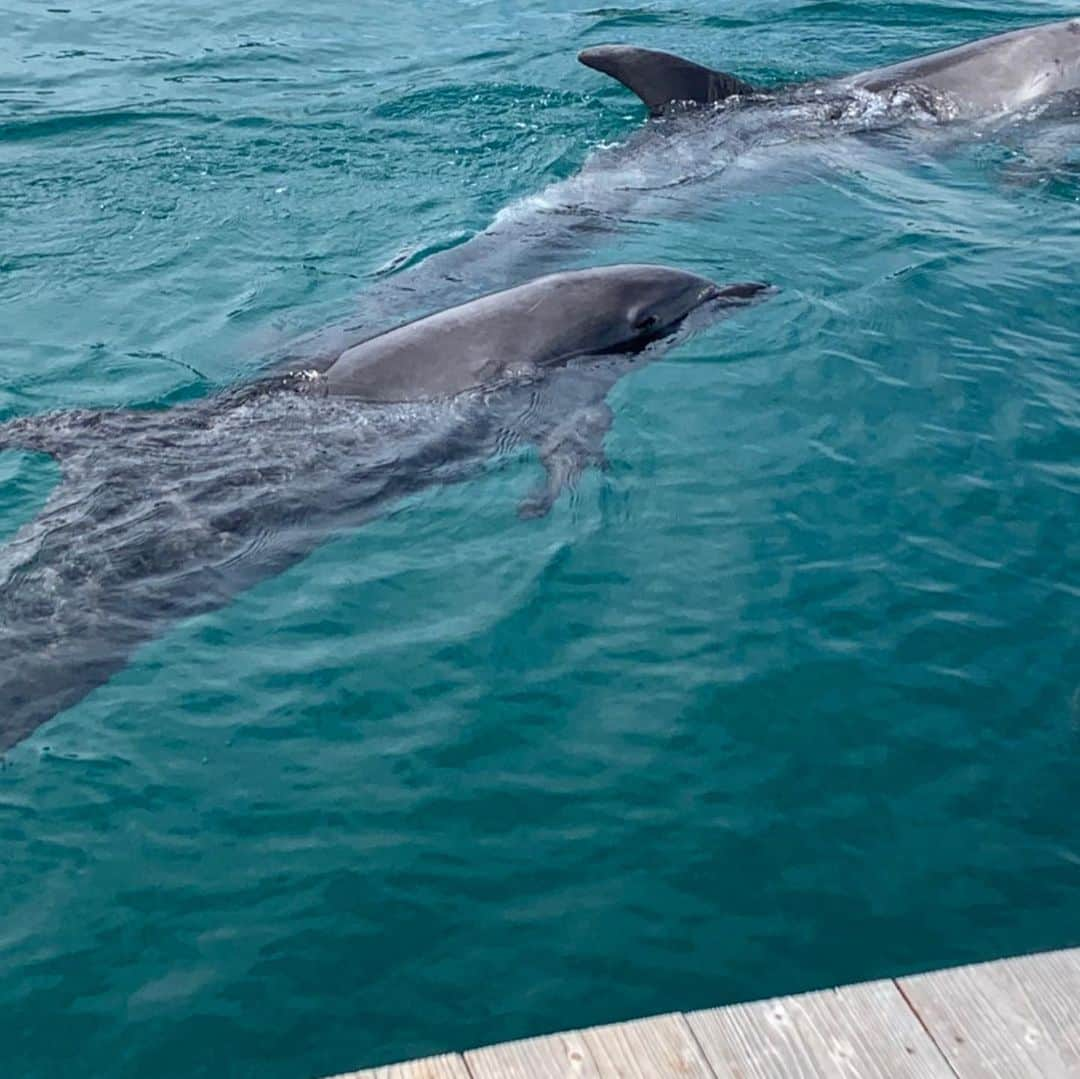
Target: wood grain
450,1066
1014,1019
658,1048
859,1032
560,1056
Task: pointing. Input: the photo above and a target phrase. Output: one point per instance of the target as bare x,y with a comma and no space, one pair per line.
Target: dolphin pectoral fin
566,453
661,79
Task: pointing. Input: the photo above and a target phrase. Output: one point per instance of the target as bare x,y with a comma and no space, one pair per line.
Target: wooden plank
560,1056
1014,1019
864,1031
449,1066
658,1048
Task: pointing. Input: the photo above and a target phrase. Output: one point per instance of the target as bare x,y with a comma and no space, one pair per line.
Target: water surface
788,697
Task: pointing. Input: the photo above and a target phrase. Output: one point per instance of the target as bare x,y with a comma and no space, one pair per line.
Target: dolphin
732,136
165,514
988,77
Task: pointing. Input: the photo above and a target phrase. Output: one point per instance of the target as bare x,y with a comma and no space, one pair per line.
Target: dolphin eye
646,323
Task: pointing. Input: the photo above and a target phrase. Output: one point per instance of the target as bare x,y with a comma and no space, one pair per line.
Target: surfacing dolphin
686,157
710,126
988,77
166,514
715,126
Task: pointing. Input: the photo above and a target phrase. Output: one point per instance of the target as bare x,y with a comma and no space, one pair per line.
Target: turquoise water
788,697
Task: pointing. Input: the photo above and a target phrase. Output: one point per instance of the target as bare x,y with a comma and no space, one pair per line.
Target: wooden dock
1005,1020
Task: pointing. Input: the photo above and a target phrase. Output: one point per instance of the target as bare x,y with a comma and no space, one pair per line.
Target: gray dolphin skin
662,79
993,75
166,514
687,157
516,333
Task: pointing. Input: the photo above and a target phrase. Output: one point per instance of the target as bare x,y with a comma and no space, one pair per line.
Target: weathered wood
865,1031
450,1066
1014,1019
658,1048
560,1056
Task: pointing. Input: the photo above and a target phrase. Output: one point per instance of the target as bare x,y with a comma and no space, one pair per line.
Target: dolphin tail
661,79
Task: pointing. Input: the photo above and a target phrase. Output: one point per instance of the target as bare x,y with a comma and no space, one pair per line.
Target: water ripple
786,697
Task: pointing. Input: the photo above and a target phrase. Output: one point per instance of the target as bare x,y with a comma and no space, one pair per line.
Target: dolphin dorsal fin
661,79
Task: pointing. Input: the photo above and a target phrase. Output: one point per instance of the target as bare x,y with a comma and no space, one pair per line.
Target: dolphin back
60,434
26,433
993,74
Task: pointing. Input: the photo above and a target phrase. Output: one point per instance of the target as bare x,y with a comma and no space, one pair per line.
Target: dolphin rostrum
169,513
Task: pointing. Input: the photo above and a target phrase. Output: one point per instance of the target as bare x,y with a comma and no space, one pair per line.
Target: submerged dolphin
166,514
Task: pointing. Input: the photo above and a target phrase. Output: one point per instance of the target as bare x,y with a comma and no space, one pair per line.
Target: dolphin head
511,334
627,307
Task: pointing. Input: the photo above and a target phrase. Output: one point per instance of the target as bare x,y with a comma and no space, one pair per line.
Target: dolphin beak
738,294
742,292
